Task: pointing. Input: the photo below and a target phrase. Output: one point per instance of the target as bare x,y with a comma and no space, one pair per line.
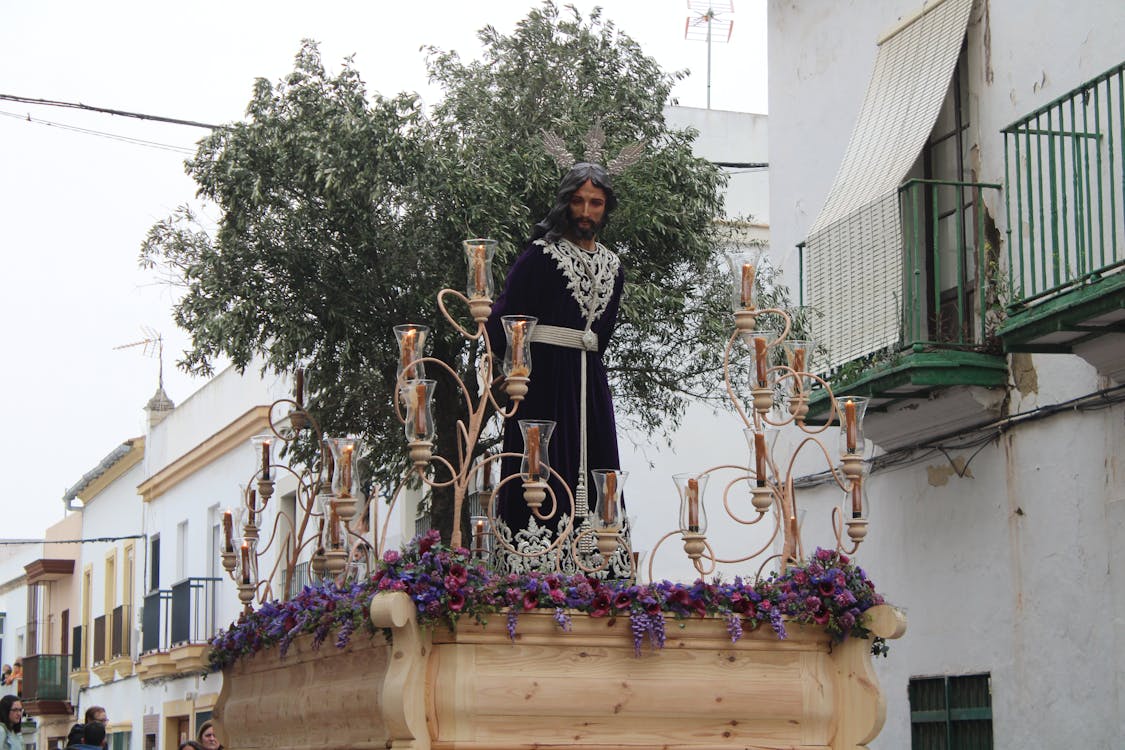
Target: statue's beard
586,231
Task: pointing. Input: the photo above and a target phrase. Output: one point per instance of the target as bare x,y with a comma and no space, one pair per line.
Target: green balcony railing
45,677
1066,190
946,262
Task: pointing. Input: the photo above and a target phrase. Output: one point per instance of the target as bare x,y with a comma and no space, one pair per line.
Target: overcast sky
76,199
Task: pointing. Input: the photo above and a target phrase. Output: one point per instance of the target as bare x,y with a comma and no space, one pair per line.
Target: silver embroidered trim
538,536
589,276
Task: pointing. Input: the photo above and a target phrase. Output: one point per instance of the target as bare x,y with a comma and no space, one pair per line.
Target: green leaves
342,214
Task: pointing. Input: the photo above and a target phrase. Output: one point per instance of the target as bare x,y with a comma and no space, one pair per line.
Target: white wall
13,596
1014,569
223,399
739,137
113,512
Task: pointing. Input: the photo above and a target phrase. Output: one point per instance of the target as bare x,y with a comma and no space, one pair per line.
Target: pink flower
600,606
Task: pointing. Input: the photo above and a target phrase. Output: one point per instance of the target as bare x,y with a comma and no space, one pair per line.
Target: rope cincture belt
586,340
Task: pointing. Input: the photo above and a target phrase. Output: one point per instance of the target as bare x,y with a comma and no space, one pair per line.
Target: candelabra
576,540
596,541
779,387
316,532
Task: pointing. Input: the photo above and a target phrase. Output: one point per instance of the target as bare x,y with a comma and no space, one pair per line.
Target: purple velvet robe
537,286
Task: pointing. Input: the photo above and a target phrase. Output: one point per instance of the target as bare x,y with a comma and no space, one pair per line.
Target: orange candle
406,355
478,536
265,459
533,452
609,509
693,504
760,458
299,387
250,519
857,498
799,360
480,282
747,285
346,471
420,410
850,427
245,563
333,527
228,531
517,345
760,359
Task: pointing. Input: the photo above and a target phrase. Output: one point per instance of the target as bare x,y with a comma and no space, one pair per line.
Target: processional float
318,539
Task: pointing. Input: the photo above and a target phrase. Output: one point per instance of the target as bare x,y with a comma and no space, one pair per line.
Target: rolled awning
854,247
912,73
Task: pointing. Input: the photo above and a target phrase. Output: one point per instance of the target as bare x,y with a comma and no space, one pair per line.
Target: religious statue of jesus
572,284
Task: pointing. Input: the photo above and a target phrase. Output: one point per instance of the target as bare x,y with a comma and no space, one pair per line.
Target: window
119,740
951,713
154,563
87,615
110,588
128,591
181,550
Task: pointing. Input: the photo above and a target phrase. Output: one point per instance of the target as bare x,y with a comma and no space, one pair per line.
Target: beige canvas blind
855,245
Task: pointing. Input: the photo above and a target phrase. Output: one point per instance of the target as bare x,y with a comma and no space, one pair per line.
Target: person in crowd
207,736
93,713
16,678
11,720
93,737
190,745
6,675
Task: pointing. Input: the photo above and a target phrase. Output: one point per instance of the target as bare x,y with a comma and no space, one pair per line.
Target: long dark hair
6,713
554,225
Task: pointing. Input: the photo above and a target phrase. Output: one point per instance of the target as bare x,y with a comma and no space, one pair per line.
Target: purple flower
445,584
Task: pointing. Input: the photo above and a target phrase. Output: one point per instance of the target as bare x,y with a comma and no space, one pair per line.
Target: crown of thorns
594,141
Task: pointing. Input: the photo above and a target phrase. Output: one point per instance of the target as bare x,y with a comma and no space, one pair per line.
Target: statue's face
587,211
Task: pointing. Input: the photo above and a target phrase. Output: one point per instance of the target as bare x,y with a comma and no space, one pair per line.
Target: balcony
79,674
156,636
121,640
101,666
177,625
1066,226
112,649
46,686
940,369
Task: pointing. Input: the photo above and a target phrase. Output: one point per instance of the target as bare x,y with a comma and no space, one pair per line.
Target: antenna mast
706,25
153,343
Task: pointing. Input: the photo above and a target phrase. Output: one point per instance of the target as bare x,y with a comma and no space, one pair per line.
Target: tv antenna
153,343
706,24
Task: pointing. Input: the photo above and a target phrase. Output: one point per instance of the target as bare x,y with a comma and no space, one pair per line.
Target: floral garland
447,585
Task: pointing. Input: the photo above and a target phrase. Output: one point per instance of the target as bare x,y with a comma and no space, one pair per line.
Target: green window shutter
951,713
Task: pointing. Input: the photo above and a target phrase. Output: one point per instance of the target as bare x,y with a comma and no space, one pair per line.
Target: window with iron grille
951,712
119,740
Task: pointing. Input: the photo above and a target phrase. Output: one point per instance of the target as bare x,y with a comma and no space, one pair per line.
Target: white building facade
984,325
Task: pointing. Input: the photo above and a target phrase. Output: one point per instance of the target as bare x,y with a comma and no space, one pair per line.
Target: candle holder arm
734,399
445,313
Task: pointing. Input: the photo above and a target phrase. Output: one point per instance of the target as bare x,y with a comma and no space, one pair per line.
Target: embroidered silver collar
590,277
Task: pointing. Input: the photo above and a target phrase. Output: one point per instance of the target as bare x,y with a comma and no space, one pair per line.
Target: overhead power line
100,133
5,542
106,111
